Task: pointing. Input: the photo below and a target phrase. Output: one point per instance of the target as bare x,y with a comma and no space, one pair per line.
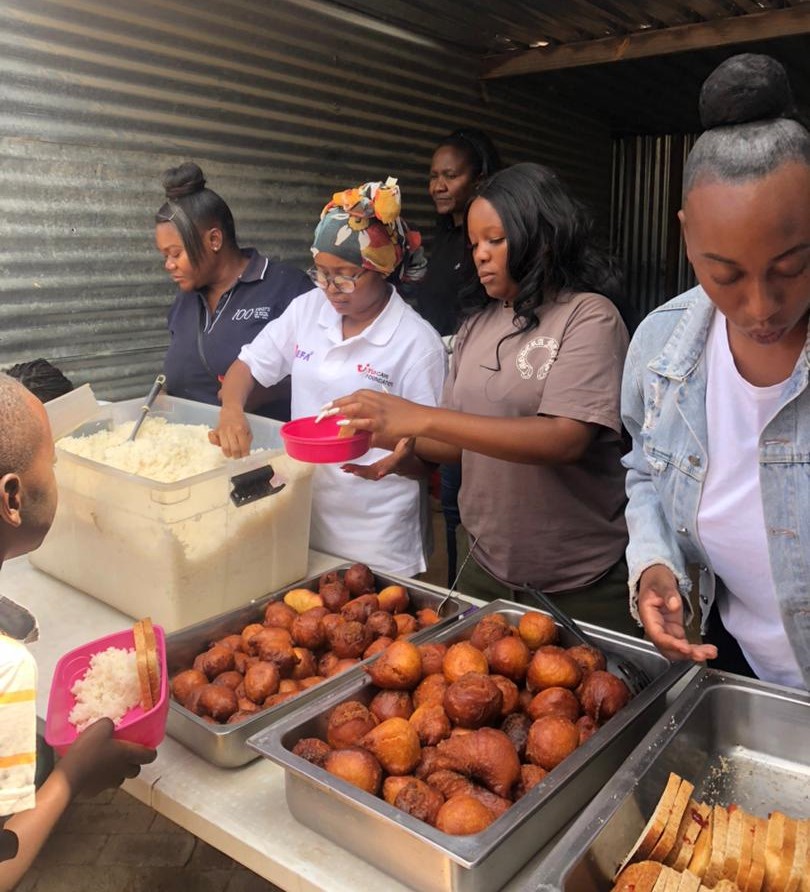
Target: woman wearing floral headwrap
353,330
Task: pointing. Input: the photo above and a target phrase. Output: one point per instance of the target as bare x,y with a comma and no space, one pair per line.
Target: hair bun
747,87
183,180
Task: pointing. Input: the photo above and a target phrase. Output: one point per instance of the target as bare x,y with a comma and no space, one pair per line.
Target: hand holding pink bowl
137,726
321,442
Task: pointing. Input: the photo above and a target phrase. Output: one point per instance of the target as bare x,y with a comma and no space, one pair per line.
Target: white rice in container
109,688
162,451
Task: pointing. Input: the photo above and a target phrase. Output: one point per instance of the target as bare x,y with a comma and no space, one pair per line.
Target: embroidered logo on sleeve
550,348
382,378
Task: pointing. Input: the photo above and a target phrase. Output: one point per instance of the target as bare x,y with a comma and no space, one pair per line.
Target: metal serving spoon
150,398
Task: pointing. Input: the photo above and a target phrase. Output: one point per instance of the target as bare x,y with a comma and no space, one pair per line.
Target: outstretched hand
402,461
389,418
96,761
660,608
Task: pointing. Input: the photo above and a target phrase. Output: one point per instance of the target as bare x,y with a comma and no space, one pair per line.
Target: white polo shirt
376,522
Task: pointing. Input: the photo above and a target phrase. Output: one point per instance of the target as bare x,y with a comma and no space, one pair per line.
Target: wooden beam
654,42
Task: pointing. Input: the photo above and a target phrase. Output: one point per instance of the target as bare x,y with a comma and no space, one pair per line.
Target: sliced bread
655,826
747,849
638,877
734,843
695,818
699,862
756,875
667,839
801,857
714,872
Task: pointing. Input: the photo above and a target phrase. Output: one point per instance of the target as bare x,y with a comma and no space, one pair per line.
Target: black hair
193,209
751,121
44,380
551,249
21,431
478,148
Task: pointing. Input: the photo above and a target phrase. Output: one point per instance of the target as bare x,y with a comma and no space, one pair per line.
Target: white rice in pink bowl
109,688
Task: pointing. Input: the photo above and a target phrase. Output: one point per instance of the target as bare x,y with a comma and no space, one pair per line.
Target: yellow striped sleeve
17,696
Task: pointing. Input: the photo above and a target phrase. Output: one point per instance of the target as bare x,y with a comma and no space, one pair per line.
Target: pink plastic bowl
320,443
137,726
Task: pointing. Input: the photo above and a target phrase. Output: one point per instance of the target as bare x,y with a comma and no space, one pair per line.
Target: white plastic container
186,551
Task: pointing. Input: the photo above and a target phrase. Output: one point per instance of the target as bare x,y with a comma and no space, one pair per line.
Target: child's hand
97,762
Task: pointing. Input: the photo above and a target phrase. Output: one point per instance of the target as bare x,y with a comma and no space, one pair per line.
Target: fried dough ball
473,701
357,766
230,679
432,657
486,755
587,658
508,656
242,661
328,577
233,642
537,629
448,783
381,625
427,616
431,724
463,815
310,682
552,670
428,762
406,624
551,739
312,749
327,663
586,728
184,683
307,629
394,599
343,665
306,666
530,776
359,580
246,705
349,722
349,639
420,801
288,684
240,716
274,645
277,613
510,693
360,609
334,595
491,628
261,680
217,701
516,727
216,661
391,704
330,623
431,690
461,658
603,695
247,637
393,784
399,667
275,699
554,701
198,663
396,745
377,646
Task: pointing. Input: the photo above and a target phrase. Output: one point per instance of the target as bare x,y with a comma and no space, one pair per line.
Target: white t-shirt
731,524
377,522
18,726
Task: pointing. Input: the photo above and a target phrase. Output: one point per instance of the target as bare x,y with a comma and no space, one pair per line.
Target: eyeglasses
344,284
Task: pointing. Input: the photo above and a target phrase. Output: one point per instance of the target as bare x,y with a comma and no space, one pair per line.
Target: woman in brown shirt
531,407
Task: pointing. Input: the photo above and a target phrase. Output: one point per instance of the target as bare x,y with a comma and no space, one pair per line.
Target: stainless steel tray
224,745
736,739
416,853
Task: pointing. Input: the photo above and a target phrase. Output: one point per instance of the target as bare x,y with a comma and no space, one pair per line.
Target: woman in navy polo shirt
226,295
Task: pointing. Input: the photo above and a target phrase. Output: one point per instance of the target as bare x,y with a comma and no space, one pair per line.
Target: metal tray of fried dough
225,745
736,739
418,854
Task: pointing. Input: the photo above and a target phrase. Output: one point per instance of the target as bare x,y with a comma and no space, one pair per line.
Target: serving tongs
146,407
633,676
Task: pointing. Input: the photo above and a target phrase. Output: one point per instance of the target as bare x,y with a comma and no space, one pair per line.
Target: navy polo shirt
203,345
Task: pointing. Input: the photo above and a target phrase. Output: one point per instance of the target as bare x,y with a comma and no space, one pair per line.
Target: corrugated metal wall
280,102
645,232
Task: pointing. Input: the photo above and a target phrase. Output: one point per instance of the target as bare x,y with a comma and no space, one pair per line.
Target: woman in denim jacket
716,399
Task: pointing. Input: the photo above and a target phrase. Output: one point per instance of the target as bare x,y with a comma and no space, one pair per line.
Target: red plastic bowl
320,443
137,726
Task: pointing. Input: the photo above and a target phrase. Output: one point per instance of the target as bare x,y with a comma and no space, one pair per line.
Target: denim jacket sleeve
652,538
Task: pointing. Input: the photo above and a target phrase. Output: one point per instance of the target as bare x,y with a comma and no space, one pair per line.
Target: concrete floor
113,843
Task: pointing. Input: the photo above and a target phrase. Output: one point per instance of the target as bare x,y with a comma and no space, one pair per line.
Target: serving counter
243,812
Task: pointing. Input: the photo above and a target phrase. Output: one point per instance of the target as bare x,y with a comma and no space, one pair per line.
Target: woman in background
225,294
352,330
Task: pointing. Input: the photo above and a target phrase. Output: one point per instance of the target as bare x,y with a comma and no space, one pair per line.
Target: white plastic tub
186,551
